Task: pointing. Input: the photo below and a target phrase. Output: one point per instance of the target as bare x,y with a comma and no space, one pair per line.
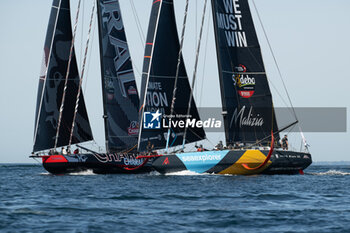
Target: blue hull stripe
201,161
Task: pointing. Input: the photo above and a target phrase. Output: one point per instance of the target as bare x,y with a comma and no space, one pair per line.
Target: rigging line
140,31
177,70
194,132
196,25
67,75
138,24
196,31
269,80
204,66
195,69
142,109
47,67
275,60
82,33
90,52
279,94
210,142
82,75
277,132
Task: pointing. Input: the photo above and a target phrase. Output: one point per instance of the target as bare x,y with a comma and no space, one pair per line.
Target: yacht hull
234,162
98,163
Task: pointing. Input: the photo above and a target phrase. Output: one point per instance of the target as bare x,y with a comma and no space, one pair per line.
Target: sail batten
119,90
51,86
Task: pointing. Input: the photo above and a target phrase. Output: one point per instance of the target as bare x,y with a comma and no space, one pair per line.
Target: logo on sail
132,90
250,120
133,129
152,120
244,83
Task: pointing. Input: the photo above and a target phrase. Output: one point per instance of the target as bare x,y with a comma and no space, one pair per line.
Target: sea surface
31,200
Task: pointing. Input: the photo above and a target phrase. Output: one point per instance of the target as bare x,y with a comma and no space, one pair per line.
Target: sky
310,40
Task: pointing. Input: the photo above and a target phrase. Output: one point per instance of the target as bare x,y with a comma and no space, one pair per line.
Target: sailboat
61,116
251,130
140,132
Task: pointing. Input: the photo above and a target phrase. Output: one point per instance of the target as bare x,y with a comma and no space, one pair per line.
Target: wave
331,173
20,165
29,211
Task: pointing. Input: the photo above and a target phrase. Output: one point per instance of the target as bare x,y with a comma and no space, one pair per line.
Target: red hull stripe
54,159
156,1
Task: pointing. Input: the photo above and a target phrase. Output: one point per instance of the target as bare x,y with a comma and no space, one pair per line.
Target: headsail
159,71
246,98
120,96
51,84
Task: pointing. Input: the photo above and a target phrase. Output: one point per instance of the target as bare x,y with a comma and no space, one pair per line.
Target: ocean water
31,200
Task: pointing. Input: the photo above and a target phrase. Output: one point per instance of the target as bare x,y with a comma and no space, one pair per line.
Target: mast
51,86
99,18
119,90
246,97
195,69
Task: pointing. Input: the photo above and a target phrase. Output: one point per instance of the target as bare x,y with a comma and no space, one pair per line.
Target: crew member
149,147
285,142
64,151
200,148
219,146
237,146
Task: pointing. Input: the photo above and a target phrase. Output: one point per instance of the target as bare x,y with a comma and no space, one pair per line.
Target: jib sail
246,98
120,96
51,84
159,71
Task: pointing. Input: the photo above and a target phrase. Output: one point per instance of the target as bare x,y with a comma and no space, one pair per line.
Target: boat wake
83,173
331,173
186,173
45,174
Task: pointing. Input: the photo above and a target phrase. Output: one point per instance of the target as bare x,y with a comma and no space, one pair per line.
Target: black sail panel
246,97
51,85
159,72
120,96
